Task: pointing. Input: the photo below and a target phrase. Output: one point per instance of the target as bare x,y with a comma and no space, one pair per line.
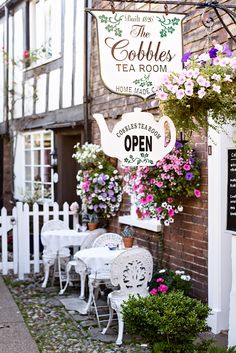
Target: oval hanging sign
137,140
136,49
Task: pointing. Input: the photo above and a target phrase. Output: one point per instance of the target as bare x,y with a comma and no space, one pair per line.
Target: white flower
180,208
185,277
166,223
216,88
162,271
178,272
164,204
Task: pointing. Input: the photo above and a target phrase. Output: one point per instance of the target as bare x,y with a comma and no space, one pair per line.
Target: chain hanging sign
137,48
137,140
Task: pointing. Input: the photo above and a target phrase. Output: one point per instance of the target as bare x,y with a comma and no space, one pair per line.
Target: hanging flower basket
99,182
159,190
206,87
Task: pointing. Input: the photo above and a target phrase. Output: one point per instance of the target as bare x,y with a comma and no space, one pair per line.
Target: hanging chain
166,9
111,2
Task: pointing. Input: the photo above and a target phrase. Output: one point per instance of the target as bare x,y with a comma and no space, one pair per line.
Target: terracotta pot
128,242
92,226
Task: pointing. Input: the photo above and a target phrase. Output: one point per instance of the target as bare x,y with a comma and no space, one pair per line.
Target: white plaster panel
68,54
1,72
41,94
29,93
18,166
79,52
18,54
54,89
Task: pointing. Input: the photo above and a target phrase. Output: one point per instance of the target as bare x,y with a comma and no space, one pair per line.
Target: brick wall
185,242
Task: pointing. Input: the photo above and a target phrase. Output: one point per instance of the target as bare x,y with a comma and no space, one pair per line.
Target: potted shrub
93,221
128,236
169,322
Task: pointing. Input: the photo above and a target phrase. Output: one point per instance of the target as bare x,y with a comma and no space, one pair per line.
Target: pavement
14,334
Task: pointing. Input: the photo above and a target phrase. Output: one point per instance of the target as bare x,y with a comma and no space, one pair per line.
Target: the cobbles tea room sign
137,48
137,140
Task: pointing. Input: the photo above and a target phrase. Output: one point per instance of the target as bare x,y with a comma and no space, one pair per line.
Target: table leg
82,284
47,263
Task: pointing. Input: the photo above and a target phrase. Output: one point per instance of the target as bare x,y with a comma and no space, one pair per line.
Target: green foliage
169,322
215,349
172,280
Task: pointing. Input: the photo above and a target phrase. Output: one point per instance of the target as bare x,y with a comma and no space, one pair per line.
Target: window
37,170
45,29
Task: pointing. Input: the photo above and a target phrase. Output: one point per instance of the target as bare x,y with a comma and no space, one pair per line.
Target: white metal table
54,241
98,261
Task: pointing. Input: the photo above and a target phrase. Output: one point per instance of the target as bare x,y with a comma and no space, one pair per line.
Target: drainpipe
86,100
6,69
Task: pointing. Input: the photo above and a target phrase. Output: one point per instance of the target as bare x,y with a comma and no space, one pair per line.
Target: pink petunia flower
171,213
162,288
186,167
159,280
153,291
159,184
197,193
149,198
169,200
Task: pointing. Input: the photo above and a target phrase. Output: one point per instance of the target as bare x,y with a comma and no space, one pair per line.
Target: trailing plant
159,190
168,322
206,87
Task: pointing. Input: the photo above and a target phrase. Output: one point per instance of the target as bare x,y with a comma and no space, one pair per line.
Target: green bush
169,322
214,349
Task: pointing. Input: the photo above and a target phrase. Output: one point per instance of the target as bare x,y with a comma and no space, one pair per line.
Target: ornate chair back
132,270
111,239
54,224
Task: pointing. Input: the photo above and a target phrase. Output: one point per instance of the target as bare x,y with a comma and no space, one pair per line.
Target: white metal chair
108,239
95,280
50,256
79,266
131,270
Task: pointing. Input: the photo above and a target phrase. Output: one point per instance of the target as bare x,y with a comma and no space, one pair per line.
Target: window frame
42,165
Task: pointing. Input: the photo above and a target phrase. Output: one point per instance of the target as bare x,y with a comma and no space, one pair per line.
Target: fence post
36,236
15,240
4,242
21,240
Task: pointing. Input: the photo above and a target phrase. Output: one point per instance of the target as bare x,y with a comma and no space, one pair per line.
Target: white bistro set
103,259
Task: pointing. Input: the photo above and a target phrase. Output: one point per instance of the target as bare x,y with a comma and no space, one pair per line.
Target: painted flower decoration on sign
206,87
160,189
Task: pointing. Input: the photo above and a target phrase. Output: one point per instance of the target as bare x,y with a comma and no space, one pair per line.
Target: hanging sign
231,191
137,140
137,48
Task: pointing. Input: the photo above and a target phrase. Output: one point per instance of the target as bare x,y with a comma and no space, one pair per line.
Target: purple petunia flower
178,144
192,160
226,50
110,193
101,205
104,194
186,56
213,53
189,176
95,207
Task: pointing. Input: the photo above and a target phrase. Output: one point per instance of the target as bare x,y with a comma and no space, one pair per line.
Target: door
65,189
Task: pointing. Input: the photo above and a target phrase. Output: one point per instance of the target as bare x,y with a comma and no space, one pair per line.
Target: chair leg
82,284
90,298
46,271
111,312
68,268
120,328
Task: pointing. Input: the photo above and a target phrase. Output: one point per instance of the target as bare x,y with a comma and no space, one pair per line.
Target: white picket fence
22,229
